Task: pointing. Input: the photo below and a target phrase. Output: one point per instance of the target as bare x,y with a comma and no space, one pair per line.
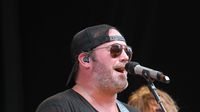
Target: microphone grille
130,67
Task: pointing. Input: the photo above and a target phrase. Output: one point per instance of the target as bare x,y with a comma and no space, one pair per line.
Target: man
100,54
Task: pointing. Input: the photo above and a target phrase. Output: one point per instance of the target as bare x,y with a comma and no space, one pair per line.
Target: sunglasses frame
117,52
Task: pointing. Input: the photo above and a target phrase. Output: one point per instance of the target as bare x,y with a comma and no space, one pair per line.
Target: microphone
136,68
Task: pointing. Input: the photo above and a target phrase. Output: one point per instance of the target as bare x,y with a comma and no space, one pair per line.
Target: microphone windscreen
130,67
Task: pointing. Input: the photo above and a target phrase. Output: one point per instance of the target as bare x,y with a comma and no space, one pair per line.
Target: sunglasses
116,50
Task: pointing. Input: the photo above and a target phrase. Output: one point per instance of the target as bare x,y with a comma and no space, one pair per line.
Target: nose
124,56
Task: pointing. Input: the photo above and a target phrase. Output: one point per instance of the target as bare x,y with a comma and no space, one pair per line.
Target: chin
122,87
123,76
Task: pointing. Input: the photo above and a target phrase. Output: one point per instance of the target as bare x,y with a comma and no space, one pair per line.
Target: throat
99,102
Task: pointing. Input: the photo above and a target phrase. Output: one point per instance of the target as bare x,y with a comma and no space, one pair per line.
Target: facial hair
107,78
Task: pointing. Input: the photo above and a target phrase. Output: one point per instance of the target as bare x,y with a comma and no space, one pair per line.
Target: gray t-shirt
71,101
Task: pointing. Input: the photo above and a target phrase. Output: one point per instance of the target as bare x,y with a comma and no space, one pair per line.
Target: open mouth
120,69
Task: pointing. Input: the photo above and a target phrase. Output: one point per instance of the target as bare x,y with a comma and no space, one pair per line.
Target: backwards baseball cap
88,39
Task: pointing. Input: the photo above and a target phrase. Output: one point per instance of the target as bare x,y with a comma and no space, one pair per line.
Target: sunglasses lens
116,50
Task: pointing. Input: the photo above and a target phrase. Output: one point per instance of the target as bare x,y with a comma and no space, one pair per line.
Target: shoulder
55,103
59,97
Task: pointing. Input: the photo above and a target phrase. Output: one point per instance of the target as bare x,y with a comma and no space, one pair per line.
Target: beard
108,79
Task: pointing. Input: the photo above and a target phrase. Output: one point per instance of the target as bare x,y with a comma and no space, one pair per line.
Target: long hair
143,100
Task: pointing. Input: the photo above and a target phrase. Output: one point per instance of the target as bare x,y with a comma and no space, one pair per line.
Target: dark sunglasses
116,50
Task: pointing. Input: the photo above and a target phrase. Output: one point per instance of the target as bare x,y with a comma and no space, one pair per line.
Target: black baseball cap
88,39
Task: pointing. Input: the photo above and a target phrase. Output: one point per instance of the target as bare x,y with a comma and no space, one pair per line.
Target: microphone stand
152,88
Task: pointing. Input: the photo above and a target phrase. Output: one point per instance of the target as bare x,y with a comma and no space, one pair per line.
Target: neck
98,99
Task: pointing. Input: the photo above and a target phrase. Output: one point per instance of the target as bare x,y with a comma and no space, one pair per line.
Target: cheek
107,62
101,67
104,59
104,56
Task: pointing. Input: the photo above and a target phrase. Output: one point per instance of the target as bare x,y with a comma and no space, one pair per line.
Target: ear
83,59
86,59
